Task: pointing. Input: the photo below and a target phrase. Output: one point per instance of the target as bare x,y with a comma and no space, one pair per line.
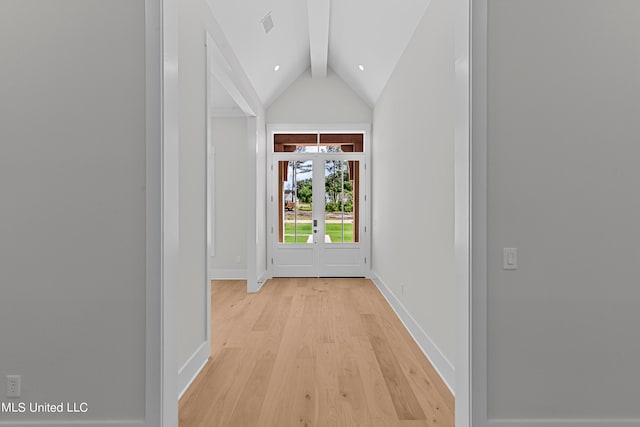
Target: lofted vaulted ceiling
339,34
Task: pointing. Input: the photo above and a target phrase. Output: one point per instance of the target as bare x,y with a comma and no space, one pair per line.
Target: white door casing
316,255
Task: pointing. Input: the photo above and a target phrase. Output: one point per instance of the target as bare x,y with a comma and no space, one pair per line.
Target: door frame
468,185
365,129
162,83
478,220
162,180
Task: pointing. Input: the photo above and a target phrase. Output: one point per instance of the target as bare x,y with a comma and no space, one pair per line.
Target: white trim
170,198
156,378
227,274
210,148
252,203
323,156
207,308
209,187
261,281
462,214
218,65
365,237
366,201
440,363
478,297
263,277
192,368
563,423
317,127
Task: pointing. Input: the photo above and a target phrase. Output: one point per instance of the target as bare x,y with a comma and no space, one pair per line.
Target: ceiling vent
267,23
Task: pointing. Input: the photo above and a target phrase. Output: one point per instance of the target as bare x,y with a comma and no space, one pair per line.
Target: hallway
312,352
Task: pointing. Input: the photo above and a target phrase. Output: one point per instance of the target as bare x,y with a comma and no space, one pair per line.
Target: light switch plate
510,258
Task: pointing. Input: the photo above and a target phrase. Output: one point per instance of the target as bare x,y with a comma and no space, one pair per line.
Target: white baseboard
227,274
563,423
441,364
261,281
192,368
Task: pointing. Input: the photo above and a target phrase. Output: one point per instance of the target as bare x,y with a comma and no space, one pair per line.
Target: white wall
255,145
319,100
72,222
196,19
229,138
413,184
563,109
191,292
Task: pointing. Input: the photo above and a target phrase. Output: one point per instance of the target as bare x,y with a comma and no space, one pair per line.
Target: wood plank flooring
312,352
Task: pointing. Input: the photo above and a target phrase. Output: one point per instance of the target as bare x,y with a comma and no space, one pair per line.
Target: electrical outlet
237,259
13,385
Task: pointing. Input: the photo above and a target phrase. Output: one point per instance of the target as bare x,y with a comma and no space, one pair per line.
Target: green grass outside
299,239
334,230
304,231
302,227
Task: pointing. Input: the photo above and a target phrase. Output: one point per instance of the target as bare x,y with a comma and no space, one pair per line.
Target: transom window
318,143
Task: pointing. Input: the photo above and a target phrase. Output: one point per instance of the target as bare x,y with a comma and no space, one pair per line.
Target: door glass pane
307,149
341,201
341,143
322,143
294,180
330,148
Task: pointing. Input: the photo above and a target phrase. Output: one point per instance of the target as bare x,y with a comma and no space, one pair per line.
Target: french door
319,215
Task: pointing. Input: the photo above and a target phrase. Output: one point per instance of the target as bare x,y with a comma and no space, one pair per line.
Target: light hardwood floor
312,352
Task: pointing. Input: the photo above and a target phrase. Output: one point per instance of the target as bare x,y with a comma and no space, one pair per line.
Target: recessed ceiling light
276,68
361,67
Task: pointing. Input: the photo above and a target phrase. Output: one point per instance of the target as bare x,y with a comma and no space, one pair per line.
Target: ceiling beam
221,70
318,12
